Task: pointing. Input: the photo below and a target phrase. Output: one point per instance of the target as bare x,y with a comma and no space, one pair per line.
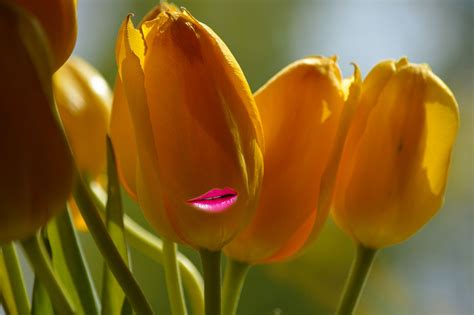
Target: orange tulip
59,21
395,162
121,127
36,164
84,102
197,129
301,111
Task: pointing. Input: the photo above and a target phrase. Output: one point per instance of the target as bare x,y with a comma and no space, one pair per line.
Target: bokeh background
432,273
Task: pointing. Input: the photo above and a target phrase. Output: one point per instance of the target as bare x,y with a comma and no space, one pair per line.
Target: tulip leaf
41,303
69,263
7,299
13,279
113,296
126,308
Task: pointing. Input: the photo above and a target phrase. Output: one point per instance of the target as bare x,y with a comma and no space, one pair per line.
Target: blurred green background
432,273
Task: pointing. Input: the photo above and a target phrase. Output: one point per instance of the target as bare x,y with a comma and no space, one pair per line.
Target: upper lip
215,200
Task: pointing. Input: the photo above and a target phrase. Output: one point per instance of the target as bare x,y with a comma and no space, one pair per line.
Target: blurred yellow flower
197,130
395,162
36,166
84,102
59,21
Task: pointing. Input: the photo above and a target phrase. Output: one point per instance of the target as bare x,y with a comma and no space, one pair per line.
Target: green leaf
126,308
69,263
112,294
13,280
6,294
41,303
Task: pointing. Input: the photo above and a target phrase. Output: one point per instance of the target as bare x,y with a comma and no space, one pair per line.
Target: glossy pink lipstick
215,200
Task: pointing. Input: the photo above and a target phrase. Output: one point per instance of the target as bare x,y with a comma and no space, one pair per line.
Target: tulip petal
121,127
372,85
352,89
311,228
300,110
130,54
442,118
123,138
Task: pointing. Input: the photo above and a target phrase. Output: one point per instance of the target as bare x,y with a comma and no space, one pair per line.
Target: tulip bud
300,110
84,102
59,21
394,166
36,166
197,129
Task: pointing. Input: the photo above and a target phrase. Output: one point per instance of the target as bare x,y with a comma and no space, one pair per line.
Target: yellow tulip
36,166
59,21
197,129
300,110
395,162
84,101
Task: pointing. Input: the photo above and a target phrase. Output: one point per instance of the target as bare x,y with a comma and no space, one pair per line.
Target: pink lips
215,200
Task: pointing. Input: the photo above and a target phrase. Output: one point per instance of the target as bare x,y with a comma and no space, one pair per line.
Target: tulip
59,21
198,134
300,110
36,164
395,161
84,102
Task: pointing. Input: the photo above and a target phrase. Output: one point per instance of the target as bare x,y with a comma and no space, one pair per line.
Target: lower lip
215,200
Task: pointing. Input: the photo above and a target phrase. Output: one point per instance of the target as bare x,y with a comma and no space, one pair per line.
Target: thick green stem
108,250
39,259
234,279
15,277
356,280
211,266
173,279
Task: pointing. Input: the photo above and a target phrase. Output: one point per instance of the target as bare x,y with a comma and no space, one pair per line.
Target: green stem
234,279
39,259
173,279
15,277
356,280
108,250
152,246
76,264
211,266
